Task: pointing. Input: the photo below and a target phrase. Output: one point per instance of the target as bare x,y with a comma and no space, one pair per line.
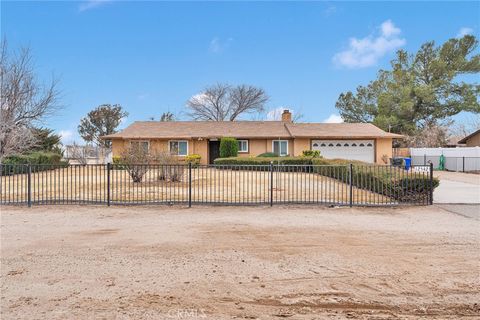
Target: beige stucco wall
299,145
383,147
256,147
474,141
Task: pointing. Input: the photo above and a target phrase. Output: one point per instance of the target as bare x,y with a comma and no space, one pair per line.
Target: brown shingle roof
203,129
338,130
247,129
464,140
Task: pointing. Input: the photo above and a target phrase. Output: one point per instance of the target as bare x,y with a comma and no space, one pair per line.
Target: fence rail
112,184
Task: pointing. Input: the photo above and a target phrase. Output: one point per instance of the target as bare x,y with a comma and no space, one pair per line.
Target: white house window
179,148
242,145
280,147
144,145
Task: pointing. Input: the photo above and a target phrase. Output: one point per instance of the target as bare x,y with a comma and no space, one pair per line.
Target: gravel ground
72,262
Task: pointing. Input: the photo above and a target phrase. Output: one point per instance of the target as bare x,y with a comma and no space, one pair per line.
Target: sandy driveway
69,262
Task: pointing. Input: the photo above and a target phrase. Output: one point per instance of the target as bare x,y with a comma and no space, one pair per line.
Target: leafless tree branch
223,102
24,101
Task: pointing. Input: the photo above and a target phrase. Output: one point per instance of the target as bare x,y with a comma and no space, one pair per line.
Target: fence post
109,167
431,184
189,184
271,184
350,180
424,159
463,166
29,185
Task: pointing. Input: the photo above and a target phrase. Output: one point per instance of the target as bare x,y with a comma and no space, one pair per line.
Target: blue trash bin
408,163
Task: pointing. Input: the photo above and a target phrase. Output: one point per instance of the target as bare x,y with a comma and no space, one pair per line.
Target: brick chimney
286,116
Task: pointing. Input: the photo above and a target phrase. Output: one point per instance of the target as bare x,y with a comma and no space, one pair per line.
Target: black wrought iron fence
342,185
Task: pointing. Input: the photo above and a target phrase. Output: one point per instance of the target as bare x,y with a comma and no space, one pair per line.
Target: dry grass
89,184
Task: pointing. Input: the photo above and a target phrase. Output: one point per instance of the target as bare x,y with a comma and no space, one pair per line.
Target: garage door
362,150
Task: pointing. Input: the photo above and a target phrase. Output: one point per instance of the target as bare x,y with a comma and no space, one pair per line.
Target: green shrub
390,181
38,160
228,147
267,155
263,161
295,163
311,153
117,163
194,159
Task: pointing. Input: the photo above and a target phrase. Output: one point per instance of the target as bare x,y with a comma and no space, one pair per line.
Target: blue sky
150,57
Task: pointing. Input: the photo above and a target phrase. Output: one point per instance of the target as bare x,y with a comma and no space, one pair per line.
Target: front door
213,150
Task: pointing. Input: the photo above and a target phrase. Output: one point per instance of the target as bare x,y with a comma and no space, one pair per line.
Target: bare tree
463,129
136,159
431,136
101,121
24,101
223,102
77,153
170,167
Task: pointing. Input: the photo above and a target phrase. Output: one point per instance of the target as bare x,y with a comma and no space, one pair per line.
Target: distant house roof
247,129
454,142
464,140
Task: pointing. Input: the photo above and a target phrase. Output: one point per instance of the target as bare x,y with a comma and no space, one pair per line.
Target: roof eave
464,140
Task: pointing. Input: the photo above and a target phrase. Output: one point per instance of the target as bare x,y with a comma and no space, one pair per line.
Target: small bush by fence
342,184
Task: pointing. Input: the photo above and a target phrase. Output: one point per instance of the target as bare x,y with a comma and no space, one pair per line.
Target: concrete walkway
457,187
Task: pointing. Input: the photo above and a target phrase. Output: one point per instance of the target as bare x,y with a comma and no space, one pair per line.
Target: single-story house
472,140
356,141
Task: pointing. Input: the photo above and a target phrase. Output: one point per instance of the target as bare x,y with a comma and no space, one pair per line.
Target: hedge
228,147
264,161
386,180
267,155
39,161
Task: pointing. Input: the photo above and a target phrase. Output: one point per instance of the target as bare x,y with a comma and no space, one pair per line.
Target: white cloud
389,29
330,10
464,31
91,4
66,136
366,52
218,45
333,118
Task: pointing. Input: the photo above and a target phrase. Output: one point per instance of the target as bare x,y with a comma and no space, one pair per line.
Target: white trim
140,141
243,151
279,148
180,155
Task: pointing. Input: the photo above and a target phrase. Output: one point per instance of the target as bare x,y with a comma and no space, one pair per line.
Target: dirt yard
79,184
68,262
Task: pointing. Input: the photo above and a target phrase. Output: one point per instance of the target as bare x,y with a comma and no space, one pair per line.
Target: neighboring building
76,154
453,142
356,141
472,140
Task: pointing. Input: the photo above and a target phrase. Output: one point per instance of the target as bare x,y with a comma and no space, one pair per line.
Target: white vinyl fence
456,159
